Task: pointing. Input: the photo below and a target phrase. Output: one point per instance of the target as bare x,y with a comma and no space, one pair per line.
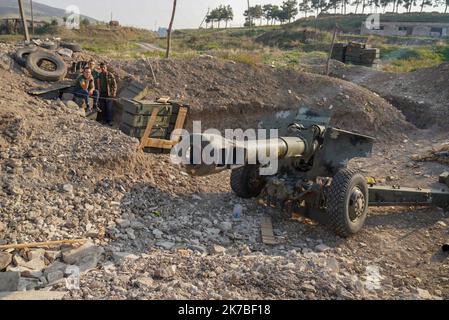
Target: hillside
42,12
352,22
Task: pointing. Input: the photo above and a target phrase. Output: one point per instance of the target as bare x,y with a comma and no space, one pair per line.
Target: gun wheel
246,181
347,202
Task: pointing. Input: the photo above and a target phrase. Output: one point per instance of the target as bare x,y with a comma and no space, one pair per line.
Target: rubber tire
32,65
75,47
240,182
49,46
337,200
22,54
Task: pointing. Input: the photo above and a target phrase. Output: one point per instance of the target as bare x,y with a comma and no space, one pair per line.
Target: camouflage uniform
107,86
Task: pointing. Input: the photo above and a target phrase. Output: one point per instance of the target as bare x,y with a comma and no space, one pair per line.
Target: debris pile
28,268
440,155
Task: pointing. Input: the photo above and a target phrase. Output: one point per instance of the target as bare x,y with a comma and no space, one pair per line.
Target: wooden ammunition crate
153,122
137,132
135,90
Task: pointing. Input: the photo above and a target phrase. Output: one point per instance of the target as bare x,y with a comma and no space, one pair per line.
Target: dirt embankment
422,96
226,94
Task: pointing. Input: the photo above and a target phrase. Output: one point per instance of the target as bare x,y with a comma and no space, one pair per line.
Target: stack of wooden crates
356,53
155,135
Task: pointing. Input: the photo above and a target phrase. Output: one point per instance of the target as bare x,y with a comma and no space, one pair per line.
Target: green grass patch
11,37
411,58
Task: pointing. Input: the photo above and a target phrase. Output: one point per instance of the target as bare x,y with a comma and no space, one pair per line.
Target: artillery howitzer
312,178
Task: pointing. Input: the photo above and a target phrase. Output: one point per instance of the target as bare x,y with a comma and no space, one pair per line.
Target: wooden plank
267,231
32,295
41,244
182,115
151,122
159,143
147,142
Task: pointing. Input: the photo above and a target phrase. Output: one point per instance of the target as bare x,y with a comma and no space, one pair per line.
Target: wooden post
205,17
331,50
24,20
249,18
167,54
32,17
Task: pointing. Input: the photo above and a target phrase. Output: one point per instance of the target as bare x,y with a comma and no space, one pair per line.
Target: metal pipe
398,196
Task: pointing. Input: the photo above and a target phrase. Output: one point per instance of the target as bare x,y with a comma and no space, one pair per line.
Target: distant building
162,32
114,23
419,29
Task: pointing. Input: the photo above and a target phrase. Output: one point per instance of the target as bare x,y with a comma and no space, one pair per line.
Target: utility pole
205,17
32,17
249,18
170,27
24,20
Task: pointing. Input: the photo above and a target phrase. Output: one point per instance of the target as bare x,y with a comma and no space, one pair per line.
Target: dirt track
167,235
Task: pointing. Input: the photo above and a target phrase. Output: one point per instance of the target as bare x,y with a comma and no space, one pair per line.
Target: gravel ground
156,233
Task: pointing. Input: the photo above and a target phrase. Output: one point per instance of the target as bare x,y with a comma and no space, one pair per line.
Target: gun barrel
236,153
284,147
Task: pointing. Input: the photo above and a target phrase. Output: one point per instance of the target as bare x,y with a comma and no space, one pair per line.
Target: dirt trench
421,96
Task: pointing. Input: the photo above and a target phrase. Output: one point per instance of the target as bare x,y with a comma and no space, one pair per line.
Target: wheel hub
357,203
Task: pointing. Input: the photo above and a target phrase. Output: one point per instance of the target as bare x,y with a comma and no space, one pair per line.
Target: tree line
289,10
368,6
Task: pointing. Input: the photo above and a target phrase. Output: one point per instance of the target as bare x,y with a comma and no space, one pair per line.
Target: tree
170,27
276,13
408,4
290,9
54,22
444,3
384,4
222,13
255,12
356,3
318,6
258,13
267,12
333,4
425,3
305,7
228,14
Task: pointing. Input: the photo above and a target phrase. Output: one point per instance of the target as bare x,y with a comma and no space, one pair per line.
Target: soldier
85,88
95,73
107,86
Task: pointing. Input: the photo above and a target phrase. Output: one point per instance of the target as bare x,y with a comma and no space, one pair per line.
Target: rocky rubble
155,233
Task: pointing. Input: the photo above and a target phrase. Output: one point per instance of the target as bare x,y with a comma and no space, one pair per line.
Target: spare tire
72,46
35,60
22,54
